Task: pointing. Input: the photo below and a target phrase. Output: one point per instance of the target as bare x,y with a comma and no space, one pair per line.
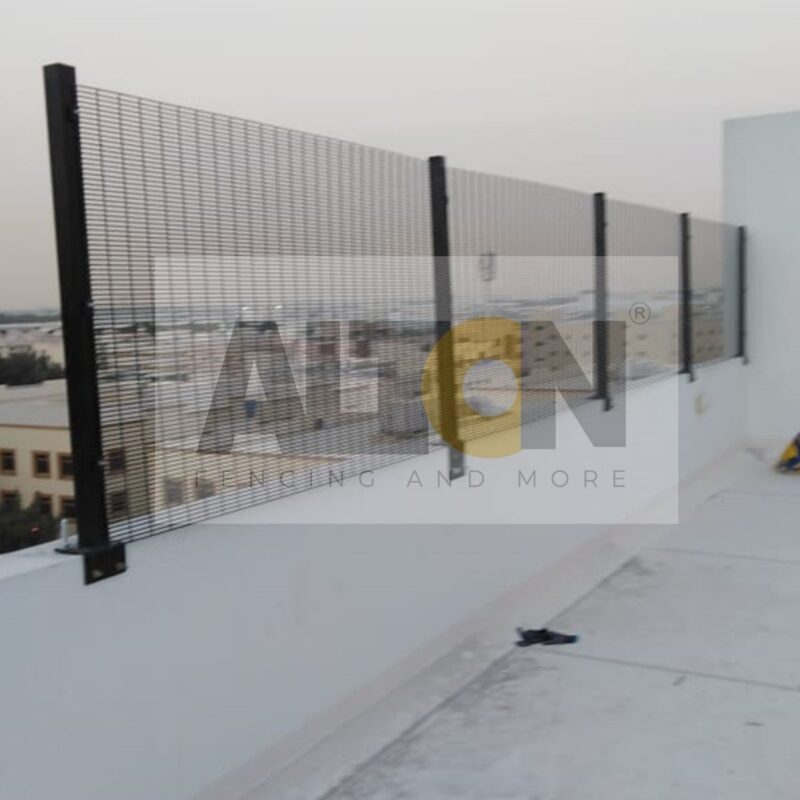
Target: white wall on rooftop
223,642
762,191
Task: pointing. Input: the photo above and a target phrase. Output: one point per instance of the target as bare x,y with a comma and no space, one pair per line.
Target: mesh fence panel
264,305
715,311
223,251
643,249
521,251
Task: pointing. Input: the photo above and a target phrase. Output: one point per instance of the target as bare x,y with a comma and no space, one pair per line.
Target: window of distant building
41,464
116,460
173,492
8,462
118,502
204,488
65,471
9,501
44,504
68,507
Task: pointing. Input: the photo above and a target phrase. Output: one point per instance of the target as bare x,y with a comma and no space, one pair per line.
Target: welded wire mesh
264,305
715,290
244,277
522,251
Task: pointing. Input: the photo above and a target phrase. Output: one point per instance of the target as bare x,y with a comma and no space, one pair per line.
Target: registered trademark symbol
639,313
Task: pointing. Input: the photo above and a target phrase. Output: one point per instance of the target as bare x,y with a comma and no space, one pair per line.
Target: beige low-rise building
35,458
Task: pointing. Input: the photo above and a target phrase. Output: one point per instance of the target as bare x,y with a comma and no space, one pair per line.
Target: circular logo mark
639,313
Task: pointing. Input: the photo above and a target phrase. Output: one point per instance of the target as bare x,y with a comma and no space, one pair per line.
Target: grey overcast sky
622,96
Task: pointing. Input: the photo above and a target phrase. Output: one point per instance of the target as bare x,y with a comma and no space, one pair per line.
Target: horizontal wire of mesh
643,245
715,290
226,255
521,251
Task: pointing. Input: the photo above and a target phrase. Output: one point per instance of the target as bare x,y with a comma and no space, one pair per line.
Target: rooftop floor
685,682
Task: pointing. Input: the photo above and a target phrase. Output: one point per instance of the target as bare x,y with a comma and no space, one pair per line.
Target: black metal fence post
685,264
742,264
601,302
102,558
445,356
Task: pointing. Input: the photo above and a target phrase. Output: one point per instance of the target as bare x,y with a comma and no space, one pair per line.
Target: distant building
35,457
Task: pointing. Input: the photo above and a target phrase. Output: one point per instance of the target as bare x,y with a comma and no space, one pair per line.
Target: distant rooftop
42,404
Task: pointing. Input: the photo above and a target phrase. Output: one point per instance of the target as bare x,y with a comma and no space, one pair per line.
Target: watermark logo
310,390
476,386
639,313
